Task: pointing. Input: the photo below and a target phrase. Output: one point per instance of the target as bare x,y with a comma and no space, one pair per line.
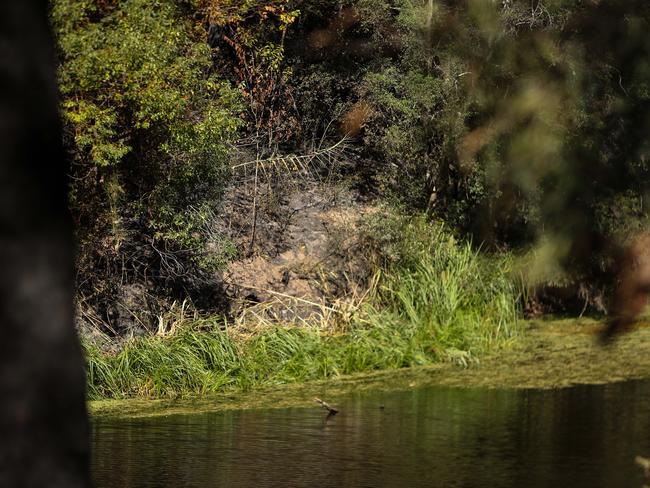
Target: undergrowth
433,299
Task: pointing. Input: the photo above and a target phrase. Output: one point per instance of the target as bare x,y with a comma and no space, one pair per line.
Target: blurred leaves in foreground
560,93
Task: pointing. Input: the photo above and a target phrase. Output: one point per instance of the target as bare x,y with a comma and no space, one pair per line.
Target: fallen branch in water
331,410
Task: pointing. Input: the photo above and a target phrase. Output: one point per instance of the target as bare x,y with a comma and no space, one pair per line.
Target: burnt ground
299,257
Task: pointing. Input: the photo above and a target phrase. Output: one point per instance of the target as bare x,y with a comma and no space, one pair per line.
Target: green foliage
412,108
455,297
147,125
560,128
140,101
494,115
416,121
250,51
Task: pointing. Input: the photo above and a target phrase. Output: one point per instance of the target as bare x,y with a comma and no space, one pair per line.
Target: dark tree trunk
43,423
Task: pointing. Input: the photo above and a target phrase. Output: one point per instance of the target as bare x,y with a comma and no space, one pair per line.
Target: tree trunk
43,422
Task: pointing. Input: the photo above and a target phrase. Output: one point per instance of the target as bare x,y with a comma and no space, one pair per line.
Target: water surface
430,437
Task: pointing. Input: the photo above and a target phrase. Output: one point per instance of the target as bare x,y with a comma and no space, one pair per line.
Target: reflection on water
430,437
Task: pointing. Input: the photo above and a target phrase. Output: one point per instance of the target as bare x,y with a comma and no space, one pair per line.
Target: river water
584,436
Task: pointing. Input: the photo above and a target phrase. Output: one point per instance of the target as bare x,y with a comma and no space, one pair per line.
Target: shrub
147,127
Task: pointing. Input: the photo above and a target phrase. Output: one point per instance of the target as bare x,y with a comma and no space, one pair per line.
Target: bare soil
296,250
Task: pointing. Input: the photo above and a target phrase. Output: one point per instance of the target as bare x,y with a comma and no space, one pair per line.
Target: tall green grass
436,299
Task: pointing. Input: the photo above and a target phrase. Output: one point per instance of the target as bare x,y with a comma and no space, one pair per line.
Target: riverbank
430,299
548,354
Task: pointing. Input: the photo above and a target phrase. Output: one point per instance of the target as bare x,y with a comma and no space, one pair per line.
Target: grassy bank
550,354
434,300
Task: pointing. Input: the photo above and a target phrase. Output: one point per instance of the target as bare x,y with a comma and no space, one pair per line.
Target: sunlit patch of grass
449,295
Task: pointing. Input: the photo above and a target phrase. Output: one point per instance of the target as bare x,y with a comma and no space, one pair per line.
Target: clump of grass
199,358
455,298
433,299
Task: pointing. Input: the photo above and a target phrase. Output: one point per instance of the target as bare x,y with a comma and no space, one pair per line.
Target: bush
147,127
